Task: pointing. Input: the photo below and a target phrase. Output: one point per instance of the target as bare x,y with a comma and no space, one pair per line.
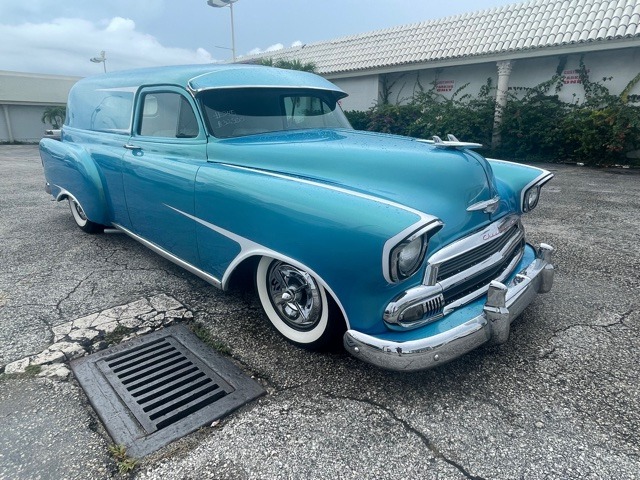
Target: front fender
71,171
338,234
513,180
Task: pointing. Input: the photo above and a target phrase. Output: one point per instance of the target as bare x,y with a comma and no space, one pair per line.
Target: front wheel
81,218
297,305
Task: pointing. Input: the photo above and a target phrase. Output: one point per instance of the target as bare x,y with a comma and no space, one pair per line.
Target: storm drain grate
159,387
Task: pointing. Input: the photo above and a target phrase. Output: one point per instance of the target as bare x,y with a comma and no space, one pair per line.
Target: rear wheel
81,219
297,305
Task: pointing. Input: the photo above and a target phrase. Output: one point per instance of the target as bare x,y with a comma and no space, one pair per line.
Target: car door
163,155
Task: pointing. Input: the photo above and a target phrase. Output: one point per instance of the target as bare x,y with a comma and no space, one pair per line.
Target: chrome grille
477,255
464,268
484,278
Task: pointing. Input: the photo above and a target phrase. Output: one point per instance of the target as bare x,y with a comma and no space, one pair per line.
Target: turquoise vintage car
411,252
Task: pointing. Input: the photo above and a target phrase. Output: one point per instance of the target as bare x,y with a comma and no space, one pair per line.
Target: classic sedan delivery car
410,252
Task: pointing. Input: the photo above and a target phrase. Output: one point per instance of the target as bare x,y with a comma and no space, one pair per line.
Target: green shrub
535,125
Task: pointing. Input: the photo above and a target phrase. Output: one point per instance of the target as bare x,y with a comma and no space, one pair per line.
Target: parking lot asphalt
561,399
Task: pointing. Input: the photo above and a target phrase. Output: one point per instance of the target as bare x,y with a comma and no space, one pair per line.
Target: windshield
236,112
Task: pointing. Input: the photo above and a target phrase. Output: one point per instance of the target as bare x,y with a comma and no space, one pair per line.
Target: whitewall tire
296,304
81,219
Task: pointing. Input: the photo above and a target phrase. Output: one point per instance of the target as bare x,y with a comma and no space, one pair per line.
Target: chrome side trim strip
334,188
425,220
172,258
249,248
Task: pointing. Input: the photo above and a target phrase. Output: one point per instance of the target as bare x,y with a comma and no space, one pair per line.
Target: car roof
210,76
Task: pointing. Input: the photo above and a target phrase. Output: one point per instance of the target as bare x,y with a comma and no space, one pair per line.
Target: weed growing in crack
125,463
203,334
32,370
115,337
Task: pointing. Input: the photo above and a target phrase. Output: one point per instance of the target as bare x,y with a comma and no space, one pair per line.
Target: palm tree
289,64
54,116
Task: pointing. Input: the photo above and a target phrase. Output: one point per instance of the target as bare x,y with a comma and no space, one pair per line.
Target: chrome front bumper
504,303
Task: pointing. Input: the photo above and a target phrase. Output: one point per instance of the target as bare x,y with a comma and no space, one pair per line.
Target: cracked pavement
561,399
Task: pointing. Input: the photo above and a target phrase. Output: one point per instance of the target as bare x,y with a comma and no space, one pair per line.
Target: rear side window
100,109
169,115
113,114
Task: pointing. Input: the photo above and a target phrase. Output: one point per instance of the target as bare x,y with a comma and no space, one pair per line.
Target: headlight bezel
395,269
533,187
527,204
423,234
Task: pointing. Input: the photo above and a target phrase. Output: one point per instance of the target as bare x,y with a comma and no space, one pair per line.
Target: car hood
440,182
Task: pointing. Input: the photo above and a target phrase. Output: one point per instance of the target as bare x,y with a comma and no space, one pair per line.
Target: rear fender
71,172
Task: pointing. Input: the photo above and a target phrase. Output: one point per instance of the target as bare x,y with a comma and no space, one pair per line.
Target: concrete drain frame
157,388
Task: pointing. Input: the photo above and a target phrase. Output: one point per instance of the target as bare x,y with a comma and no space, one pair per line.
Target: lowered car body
411,252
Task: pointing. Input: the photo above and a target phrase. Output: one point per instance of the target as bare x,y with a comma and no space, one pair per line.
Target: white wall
4,130
363,92
26,123
448,81
623,65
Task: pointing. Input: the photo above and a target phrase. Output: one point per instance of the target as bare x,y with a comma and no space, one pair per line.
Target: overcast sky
59,36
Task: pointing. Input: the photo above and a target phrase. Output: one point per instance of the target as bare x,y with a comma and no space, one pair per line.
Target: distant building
23,99
518,45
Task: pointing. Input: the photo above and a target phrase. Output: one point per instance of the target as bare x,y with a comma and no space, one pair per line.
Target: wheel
81,218
297,305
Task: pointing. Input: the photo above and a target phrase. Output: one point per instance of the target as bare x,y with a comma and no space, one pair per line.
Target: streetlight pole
221,4
233,34
101,59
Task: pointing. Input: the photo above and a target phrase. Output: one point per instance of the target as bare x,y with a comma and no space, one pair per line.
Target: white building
23,99
517,45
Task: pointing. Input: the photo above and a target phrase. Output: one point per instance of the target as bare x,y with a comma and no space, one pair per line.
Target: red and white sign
572,76
444,86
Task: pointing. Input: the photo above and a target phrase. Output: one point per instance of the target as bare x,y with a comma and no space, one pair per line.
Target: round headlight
531,197
409,257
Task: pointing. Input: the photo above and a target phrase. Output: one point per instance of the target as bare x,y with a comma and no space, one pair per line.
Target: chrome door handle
128,146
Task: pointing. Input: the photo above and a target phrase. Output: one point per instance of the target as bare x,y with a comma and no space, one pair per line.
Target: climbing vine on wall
602,129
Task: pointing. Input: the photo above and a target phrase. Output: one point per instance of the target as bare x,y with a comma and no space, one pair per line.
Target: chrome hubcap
80,211
295,296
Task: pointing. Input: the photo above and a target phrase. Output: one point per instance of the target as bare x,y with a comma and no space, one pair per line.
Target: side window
167,114
305,112
113,113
